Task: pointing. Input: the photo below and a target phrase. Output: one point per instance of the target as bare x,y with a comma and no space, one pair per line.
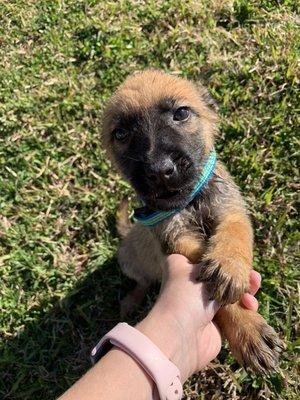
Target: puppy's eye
181,114
120,134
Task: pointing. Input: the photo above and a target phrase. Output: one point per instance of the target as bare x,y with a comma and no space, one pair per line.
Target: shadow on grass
51,353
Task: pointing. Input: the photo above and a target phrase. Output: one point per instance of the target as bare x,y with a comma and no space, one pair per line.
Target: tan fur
140,255
124,225
189,246
226,256
252,341
230,256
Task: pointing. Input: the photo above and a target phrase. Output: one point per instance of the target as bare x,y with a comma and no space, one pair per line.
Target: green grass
59,62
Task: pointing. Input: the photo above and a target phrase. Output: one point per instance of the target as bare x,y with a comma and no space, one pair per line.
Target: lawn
59,281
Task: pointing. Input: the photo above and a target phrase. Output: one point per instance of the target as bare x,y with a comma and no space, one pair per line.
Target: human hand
180,322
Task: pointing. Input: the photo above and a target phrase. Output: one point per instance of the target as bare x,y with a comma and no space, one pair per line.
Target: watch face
100,349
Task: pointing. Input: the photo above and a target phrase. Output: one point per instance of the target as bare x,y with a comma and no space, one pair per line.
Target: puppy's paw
257,347
227,279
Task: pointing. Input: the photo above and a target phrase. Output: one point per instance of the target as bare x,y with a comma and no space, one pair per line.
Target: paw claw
260,350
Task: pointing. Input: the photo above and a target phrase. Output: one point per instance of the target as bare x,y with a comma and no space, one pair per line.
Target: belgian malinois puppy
159,131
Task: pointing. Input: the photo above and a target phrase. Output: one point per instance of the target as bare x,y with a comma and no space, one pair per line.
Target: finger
249,302
254,282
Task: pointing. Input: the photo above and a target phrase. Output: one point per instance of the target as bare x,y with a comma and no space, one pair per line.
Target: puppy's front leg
227,262
225,268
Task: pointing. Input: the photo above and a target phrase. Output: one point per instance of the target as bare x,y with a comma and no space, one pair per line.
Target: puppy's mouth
168,199
167,194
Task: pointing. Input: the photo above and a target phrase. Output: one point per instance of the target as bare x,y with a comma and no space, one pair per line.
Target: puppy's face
158,130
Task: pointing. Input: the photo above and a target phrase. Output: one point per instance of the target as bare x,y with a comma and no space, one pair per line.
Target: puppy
159,131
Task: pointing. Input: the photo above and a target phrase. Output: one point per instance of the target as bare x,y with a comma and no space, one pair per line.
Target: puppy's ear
207,98
210,101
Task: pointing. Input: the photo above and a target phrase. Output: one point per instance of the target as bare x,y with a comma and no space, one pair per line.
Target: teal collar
154,218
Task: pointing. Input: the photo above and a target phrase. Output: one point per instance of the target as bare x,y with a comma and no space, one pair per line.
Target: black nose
161,171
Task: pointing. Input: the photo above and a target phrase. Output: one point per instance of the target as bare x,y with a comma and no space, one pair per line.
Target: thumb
176,265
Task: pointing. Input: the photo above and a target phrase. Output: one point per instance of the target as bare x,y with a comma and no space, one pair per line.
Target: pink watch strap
164,373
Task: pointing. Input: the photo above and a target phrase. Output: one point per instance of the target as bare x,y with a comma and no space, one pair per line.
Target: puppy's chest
194,224
187,232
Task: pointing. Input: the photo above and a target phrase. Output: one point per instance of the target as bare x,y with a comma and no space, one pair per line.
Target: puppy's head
158,130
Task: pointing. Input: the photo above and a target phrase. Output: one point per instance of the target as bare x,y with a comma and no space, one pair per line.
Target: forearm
118,376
